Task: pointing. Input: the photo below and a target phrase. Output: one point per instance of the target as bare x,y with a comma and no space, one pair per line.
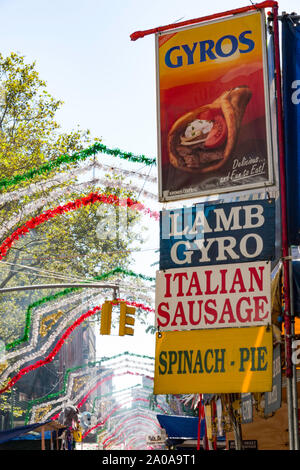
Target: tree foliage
70,244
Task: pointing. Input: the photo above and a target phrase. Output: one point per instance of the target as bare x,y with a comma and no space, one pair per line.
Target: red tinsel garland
70,206
61,341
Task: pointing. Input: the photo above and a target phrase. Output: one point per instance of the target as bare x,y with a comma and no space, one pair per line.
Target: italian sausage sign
213,108
221,296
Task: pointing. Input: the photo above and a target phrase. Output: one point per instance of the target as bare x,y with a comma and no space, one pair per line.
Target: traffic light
126,318
106,318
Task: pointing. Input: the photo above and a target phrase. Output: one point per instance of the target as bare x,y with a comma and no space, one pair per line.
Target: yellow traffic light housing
126,318
106,318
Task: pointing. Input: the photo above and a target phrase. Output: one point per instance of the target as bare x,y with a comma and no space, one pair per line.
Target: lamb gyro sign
212,234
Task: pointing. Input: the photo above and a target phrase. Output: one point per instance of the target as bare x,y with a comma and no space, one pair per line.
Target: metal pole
285,247
294,378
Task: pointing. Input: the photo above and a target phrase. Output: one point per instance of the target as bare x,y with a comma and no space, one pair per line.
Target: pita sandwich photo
202,140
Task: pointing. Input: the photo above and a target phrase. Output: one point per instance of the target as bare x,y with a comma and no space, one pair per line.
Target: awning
22,430
181,427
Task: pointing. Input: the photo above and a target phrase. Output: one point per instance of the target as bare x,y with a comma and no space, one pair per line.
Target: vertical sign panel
291,102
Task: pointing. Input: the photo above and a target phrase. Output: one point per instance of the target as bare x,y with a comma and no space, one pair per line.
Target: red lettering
194,283
223,281
210,311
163,313
238,279
208,285
168,290
179,314
191,312
227,310
259,308
180,277
259,280
247,310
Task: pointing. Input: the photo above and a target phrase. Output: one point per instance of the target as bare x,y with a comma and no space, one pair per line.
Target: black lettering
188,358
244,357
261,358
209,351
219,360
198,362
172,360
163,362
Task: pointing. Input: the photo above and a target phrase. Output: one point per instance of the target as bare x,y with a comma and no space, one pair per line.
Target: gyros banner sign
231,295
214,132
211,233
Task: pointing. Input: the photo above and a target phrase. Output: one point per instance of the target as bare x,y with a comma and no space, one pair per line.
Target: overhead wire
70,279
45,273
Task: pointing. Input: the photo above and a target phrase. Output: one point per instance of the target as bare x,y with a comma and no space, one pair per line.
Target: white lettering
249,216
259,245
296,94
228,248
220,216
187,254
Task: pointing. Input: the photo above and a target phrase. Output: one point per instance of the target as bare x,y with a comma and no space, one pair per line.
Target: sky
84,52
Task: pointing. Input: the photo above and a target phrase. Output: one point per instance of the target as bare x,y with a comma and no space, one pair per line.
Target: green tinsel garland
76,157
67,291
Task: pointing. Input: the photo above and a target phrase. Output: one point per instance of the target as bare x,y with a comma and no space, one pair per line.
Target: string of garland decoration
77,157
67,291
60,343
131,420
114,392
63,178
41,350
116,408
131,187
126,172
36,187
33,206
120,415
92,388
53,353
80,370
123,390
142,420
70,206
53,407
85,398
129,399
122,426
